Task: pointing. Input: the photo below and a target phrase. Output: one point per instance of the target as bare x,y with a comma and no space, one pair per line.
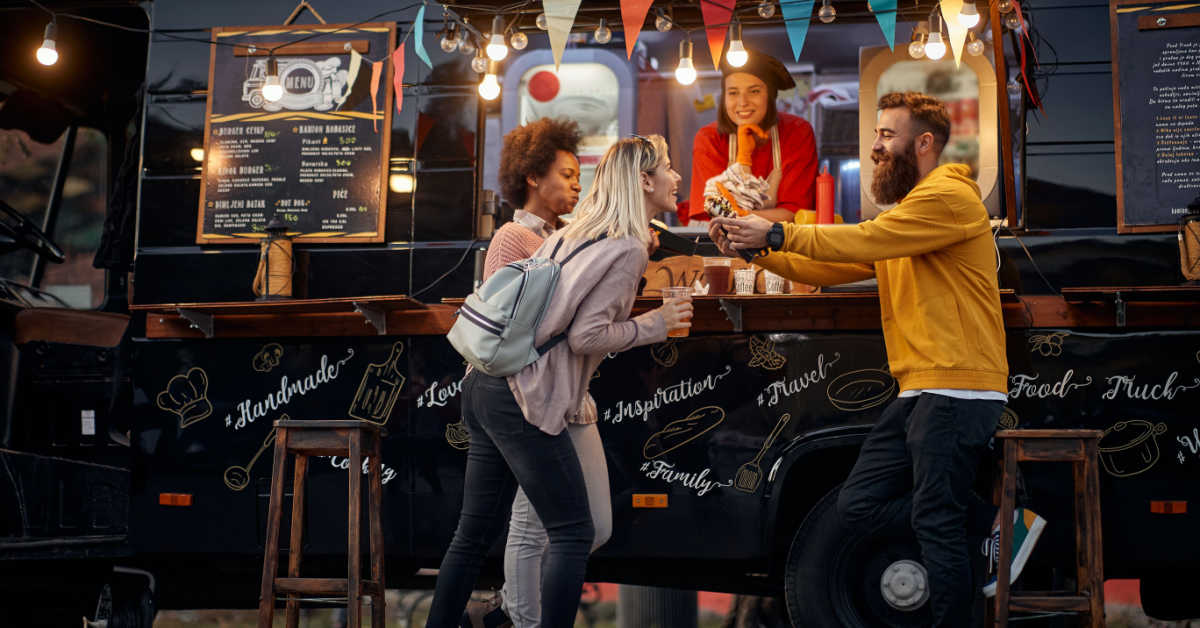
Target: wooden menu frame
251,44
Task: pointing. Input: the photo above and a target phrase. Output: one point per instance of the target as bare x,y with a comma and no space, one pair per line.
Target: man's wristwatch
775,237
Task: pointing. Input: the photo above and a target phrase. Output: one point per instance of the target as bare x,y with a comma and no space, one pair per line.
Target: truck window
27,170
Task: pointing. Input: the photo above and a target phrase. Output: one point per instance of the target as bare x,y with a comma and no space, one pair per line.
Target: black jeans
506,450
917,467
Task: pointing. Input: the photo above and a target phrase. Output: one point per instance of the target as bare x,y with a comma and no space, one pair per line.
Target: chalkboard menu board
1156,112
317,157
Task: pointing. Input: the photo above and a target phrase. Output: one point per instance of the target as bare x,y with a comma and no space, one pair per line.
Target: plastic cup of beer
772,283
743,280
675,293
716,274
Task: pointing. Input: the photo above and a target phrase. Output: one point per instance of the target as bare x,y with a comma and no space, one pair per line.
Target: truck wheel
1170,595
257,99
836,579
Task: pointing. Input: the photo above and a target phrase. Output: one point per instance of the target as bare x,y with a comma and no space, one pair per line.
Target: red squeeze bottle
825,196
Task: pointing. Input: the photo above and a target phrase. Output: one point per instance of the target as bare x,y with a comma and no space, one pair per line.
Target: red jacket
798,159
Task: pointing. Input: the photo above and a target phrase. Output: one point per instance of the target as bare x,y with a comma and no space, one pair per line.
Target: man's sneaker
1027,527
485,614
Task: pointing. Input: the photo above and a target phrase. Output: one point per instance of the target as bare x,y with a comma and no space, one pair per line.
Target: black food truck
142,172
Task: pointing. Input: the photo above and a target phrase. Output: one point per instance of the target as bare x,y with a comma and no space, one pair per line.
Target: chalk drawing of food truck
307,84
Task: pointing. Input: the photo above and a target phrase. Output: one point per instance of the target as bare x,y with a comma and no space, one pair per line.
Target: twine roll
275,265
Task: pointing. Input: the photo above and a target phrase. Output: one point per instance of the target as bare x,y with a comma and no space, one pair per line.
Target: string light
603,33
542,21
766,10
662,23
974,47
48,53
450,38
480,63
686,72
935,48
518,40
272,89
827,13
737,55
197,154
1012,21
1004,6
465,43
489,87
968,16
916,48
496,48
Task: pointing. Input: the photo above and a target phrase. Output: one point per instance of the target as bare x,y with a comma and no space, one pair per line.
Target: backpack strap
563,336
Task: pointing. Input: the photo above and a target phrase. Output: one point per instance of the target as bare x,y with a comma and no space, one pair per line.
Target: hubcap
905,585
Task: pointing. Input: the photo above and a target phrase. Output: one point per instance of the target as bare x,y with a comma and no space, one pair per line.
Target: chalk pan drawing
1129,448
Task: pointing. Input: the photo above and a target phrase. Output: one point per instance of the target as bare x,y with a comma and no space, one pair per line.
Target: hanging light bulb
465,44
542,22
766,10
518,40
489,87
737,55
916,48
968,16
974,47
1012,21
48,53
827,13
480,63
1004,7
602,34
935,48
272,89
662,23
496,48
686,72
450,38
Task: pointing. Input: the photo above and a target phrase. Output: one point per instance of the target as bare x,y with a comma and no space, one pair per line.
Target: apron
776,172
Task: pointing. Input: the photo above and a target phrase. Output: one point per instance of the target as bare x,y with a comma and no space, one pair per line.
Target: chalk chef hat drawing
187,396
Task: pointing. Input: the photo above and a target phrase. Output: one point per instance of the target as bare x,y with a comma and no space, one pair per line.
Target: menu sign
317,157
1156,111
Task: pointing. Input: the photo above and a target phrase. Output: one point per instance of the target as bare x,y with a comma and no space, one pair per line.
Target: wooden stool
324,438
1080,448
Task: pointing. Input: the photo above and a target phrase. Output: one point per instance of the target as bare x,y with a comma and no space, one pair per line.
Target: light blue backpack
496,324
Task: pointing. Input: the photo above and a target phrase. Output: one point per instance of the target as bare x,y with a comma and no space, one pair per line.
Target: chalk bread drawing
679,433
186,395
1008,420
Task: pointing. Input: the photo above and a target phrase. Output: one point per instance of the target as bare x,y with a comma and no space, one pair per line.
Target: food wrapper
736,191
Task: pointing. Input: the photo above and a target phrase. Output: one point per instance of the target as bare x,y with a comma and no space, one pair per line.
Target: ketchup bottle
825,196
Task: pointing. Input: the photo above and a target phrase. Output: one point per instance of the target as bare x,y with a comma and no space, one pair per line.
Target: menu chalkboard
317,157
1156,112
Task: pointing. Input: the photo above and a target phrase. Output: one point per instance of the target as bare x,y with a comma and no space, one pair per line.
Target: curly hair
530,151
927,112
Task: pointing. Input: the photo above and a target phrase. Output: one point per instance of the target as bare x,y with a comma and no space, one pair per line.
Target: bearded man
934,257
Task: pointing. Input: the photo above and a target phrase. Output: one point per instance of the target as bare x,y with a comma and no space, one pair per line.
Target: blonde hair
616,205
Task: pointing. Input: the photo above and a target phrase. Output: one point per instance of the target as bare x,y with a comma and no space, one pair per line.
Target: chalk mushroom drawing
378,389
238,477
187,396
763,354
855,391
665,354
1129,448
679,433
457,435
1049,345
267,358
749,475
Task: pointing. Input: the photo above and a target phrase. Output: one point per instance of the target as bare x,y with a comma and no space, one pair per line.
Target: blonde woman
518,423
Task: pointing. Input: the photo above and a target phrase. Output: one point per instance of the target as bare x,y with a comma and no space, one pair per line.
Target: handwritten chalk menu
317,157
1156,107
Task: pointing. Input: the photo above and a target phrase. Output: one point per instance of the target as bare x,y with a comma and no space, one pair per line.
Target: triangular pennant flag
796,16
419,37
560,16
633,16
885,14
398,76
958,32
717,15
376,70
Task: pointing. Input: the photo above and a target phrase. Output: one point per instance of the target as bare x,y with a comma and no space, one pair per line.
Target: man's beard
895,175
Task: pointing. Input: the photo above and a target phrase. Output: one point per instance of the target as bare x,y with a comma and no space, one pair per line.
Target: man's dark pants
917,467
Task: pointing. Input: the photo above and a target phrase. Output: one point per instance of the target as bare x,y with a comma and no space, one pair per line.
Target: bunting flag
560,16
717,16
633,17
885,14
419,37
957,32
376,70
796,16
398,76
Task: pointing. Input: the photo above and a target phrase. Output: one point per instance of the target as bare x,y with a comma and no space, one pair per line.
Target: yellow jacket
934,257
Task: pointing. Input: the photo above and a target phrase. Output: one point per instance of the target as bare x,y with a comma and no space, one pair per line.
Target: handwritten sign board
1156,112
316,158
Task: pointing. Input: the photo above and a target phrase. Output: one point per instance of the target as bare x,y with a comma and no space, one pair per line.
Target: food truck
153,192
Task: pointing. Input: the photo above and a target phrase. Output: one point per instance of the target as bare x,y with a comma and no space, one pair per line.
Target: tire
1170,595
132,604
832,577
257,99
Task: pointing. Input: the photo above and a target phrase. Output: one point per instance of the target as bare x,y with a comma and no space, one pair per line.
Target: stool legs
266,602
1008,491
376,483
1089,545
354,523
292,617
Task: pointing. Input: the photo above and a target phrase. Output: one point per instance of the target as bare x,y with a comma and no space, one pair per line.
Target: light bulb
542,22
974,47
48,53
916,49
272,89
969,15
479,64
449,39
766,10
489,88
496,48
603,33
197,154
737,55
1012,21
402,183
466,46
518,40
934,48
827,13
686,72
1004,6
662,23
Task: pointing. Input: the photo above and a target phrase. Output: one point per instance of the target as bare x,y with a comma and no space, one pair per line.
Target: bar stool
1080,448
324,438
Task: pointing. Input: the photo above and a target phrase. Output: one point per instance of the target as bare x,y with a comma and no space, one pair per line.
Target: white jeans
522,592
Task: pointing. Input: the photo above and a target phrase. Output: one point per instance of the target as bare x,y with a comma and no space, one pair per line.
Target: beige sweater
596,289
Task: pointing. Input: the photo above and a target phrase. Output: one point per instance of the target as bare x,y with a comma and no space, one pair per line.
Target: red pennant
398,76
633,16
719,12
376,70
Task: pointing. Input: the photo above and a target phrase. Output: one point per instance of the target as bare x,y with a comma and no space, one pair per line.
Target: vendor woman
785,157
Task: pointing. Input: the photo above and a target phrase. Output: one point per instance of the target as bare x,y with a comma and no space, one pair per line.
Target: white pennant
560,17
958,32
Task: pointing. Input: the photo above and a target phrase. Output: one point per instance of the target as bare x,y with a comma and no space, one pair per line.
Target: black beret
764,66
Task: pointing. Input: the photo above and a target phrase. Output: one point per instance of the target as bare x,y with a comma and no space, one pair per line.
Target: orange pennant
376,70
398,76
717,16
633,16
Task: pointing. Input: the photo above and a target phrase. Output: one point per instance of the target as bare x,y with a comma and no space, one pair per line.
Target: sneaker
485,614
1027,527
